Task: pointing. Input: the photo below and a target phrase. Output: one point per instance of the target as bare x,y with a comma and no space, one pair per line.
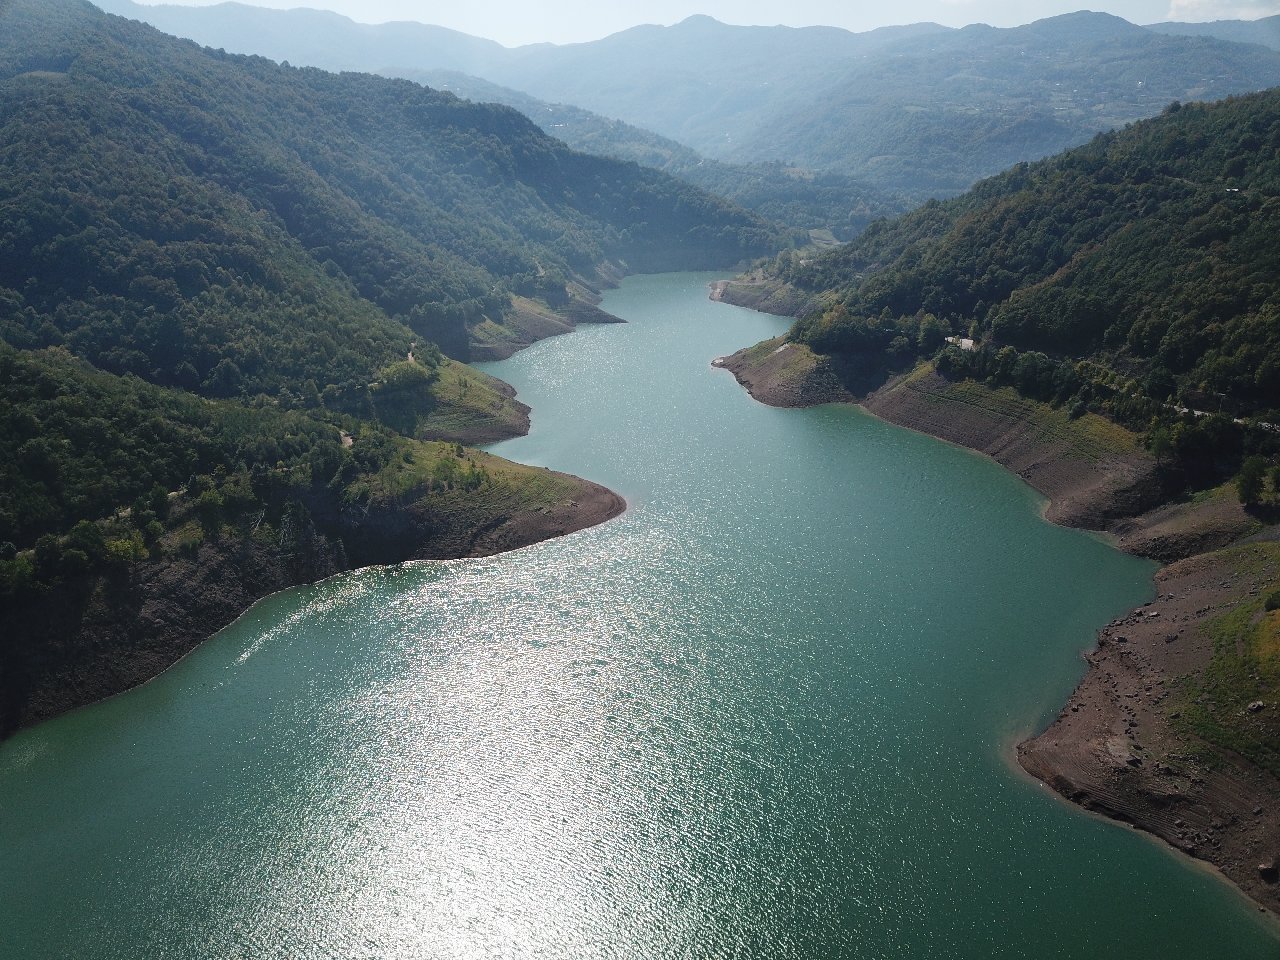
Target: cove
765,713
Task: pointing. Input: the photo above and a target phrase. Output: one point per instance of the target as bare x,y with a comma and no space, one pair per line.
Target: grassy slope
1089,437
436,468
472,407
1213,704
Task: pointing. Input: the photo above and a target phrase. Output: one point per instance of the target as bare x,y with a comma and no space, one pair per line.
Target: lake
768,712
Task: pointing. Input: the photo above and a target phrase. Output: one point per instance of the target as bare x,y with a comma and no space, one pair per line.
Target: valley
389,566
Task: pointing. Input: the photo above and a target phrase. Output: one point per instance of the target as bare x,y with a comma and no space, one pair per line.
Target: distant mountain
933,115
797,197
315,38
702,82
922,110
1265,31
1149,253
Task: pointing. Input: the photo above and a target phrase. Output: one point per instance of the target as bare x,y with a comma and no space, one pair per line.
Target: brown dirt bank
784,374
529,322
99,636
756,292
1128,744
1092,473
1124,745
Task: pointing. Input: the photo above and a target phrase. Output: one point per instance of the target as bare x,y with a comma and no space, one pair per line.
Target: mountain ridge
1264,31
810,200
920,110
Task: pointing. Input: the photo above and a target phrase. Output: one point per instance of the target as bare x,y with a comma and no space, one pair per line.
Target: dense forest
80,445
193,190
223,281
1137,275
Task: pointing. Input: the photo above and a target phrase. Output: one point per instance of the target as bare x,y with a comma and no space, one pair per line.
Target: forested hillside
923,110
1135,276
230,292
209,189
241,230
80,445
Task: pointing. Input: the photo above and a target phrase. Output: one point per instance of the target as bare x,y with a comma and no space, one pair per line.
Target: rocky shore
1119,746
530,321
784,374
1124,746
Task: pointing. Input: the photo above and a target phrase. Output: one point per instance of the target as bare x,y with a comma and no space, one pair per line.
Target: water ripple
760,715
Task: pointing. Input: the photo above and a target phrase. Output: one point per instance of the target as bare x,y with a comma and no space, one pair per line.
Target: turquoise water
765,713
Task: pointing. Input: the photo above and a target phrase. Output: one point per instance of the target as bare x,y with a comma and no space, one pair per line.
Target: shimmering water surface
766,713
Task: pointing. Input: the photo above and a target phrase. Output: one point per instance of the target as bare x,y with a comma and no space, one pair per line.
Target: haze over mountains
812,200
919,110
1265,31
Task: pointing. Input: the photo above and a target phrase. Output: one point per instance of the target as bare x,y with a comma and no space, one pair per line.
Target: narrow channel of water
766,713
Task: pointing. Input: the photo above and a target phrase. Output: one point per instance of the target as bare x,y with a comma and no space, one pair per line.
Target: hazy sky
514,22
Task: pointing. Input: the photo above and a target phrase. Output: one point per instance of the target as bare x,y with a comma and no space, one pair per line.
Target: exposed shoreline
1113,748
530,322
98,637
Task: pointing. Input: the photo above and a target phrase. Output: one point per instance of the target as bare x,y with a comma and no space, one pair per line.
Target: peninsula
238,301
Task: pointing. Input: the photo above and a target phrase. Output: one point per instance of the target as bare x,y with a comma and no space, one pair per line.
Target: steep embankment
1093,472
1158,734
99,634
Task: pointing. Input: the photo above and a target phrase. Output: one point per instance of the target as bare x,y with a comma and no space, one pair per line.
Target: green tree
1160,444
86,537
209,509
124,551
1249,482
